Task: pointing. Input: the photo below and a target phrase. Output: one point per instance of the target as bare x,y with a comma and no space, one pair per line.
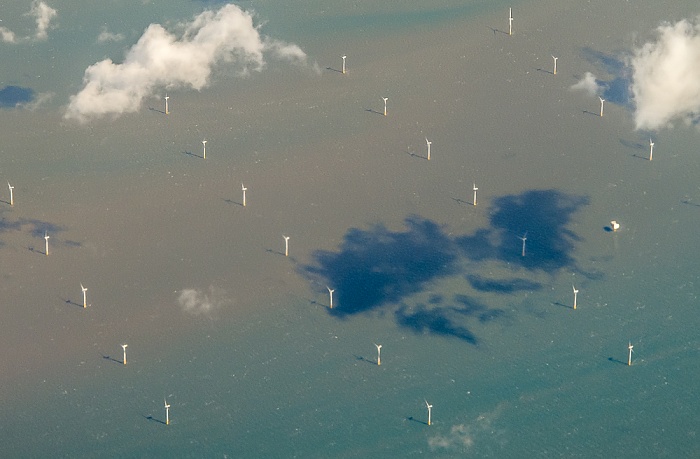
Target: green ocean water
486,336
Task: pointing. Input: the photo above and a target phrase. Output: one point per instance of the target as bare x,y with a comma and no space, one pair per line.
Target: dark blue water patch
610,63
504,286
6,225
449,320
375,267
11,96
36,228
540,217
422,319
617,89
435,299
471,307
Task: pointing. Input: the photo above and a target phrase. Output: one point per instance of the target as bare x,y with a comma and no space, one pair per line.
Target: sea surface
240,340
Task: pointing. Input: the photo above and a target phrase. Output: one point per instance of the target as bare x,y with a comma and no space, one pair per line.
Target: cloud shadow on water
617,89
36,228
375,267
447,320
504,286
11,96
611,64
378,270
542,217
438,321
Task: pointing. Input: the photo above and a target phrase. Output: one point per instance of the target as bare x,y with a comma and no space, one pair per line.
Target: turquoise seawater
468,324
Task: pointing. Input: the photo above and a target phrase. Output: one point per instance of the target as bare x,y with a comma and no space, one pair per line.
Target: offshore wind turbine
602,105
167,112
244,189
84,289
46,245
629,355
510,21
330,292
286,245
430,411
474,188
429,143
379,353
167,411
555,65
385,99
204,149
12,199
524,238
124,346
343,57
575,295
651,149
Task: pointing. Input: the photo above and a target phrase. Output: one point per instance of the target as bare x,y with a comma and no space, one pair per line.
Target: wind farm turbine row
286,238
614,225
555,69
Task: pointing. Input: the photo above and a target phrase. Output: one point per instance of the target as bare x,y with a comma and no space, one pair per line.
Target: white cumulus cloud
588,84
460,437
39,100
162,59
8,36
43,15
106,36
666,76
197,302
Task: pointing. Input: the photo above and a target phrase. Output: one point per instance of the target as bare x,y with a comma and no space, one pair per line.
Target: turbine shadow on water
110,358
380,270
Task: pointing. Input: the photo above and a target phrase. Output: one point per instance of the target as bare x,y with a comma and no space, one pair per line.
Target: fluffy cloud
160,58
39,100
7,35
43,14
106,36
588,84
460,437
197,302
666,76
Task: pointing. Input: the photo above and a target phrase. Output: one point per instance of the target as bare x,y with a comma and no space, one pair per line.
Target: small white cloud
287,51
197,302
43,14
7,35
460,437
39,100
162,59
107,36
666,76
588,84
